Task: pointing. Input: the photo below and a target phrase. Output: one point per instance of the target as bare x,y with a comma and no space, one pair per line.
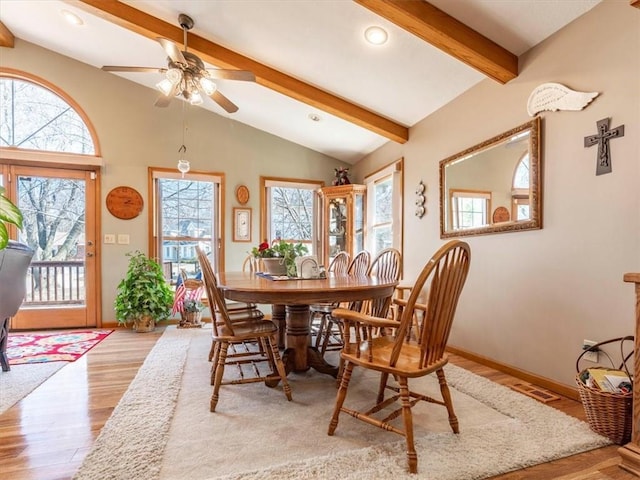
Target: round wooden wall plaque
501,214
242,194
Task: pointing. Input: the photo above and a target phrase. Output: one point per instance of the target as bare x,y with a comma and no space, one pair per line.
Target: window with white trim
290,210
186,215
469,208
384,208
520,199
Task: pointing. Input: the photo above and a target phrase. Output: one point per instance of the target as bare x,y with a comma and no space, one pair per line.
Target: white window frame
456,194
395,171
216,242
265,193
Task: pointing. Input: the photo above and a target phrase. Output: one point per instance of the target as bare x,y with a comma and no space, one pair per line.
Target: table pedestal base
299,356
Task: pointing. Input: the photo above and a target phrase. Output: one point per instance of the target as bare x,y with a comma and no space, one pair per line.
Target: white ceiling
318,42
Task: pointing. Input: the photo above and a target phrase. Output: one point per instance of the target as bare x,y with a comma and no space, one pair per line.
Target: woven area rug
21,380
52,347
162,428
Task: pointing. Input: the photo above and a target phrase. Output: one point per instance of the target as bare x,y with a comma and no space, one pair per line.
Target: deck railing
55,283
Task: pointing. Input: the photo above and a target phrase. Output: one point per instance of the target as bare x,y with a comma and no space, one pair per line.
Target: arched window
520,209
35,117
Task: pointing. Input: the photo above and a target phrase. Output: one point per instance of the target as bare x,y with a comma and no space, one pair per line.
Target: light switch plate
109,238
123,239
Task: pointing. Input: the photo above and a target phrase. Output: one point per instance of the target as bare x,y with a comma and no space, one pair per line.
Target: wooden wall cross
602,139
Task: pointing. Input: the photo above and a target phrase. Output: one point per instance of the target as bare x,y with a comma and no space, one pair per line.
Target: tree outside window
291,211
187,217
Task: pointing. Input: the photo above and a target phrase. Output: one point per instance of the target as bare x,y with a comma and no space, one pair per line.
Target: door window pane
53,212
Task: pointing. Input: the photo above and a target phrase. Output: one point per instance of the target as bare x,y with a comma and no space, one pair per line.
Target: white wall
133,135
532,297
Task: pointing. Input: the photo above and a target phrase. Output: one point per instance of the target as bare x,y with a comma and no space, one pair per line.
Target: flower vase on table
275,266
279,258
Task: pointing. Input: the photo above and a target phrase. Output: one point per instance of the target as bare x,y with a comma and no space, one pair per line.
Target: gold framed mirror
495,186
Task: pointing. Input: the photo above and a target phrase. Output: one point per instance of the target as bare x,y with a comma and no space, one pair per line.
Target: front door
60,210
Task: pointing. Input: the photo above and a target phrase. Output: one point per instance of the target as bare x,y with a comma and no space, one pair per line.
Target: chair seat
380,349
242,315
245,330
233,306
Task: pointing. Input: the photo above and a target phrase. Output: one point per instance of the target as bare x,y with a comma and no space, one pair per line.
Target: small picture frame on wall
241,224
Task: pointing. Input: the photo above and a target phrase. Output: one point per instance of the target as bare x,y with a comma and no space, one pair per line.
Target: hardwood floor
47,435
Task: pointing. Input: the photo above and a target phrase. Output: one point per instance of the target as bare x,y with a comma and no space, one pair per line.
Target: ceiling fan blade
164,100
243,75
115,68
224,102
173,51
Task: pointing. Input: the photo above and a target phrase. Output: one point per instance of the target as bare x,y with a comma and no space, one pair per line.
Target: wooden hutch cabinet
343,218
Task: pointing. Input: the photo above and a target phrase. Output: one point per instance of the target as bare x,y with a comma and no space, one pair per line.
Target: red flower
263,246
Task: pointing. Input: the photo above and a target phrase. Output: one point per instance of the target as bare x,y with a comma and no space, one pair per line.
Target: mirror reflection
494,186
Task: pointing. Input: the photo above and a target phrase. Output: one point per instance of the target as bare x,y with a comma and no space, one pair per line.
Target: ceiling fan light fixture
195,98
208,86
376,35
165,86
173,76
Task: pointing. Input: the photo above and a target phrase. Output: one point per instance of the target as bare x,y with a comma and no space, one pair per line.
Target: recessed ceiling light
71,17
314,117
376,35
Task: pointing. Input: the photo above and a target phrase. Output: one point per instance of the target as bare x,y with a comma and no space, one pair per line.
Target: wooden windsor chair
329,334
386,264
227,332
321,311
239,312
406,356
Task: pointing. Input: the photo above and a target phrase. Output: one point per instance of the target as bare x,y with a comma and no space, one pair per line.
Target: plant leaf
4,236
9,212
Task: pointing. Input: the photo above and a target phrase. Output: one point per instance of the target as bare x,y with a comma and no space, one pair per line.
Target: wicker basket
609,414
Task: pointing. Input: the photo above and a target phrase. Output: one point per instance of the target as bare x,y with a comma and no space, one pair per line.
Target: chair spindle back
388,265
216,301
444,276
360,264
340,263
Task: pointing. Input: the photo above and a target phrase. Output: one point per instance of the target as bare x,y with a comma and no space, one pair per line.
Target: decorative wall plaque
242,194
602,140
555,96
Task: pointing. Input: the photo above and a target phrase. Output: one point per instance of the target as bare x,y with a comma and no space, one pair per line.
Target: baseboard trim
538,380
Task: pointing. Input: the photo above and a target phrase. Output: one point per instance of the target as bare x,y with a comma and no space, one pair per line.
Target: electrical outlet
589,356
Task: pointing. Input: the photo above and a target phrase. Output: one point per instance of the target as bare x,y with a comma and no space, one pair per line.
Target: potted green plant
9,213
143,297
279,258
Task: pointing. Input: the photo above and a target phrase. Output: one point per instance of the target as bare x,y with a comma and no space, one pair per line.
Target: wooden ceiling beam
449,35
210,52
6,37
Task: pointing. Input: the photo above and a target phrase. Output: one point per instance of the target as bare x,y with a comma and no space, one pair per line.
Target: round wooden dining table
291,299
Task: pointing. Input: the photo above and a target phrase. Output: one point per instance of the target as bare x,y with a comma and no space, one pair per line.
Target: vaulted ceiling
318,82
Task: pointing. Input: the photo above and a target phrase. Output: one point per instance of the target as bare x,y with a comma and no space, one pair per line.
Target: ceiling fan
186,76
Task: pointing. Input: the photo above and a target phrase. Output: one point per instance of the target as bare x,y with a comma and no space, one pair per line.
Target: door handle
89,254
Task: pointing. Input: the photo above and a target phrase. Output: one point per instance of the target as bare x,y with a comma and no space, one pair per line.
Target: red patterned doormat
52,347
